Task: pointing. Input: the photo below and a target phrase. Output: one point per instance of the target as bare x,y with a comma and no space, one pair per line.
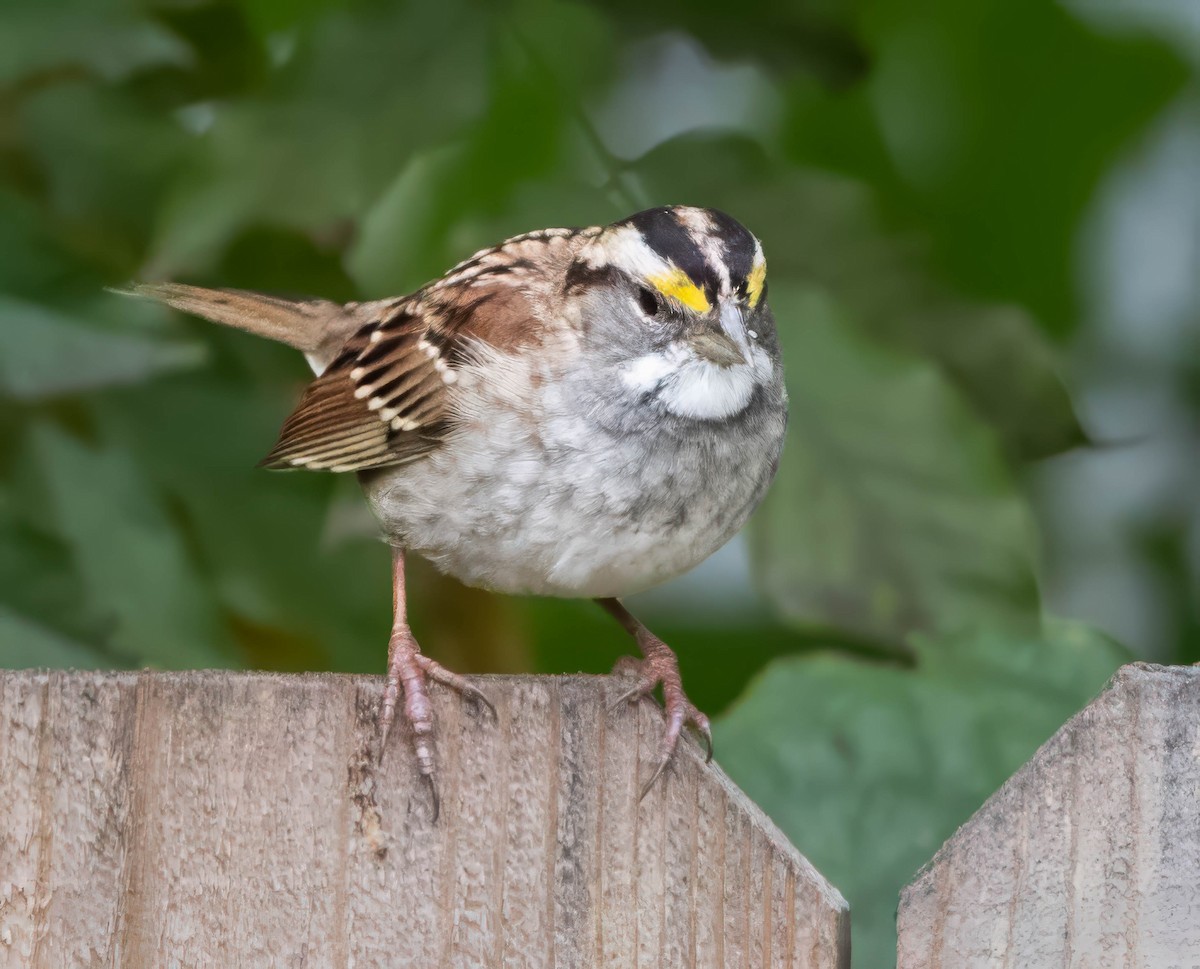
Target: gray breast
585,496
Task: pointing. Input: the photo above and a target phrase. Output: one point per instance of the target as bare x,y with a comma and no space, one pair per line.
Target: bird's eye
648,301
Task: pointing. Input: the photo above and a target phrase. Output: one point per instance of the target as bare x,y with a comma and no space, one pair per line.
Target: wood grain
1088,857
232,819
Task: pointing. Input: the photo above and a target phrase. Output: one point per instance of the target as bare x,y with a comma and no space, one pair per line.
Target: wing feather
386,398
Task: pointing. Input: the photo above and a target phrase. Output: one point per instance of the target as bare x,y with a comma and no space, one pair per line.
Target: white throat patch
694,388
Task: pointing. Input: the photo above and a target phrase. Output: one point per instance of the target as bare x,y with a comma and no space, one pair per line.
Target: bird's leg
409,671
659,665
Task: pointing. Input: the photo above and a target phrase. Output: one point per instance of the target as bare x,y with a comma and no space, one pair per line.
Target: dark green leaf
320,143
893,509
25,643
133,565
997,357
989,123
868,769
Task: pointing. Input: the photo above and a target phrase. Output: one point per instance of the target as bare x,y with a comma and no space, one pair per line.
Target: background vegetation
982,219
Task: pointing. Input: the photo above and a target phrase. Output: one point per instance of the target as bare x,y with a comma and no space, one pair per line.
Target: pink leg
410,671
659,665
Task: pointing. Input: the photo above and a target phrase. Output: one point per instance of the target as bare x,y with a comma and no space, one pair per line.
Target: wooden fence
228,819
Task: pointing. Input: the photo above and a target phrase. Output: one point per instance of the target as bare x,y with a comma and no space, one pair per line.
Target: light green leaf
522,167
45,353
319,143
111,37
893,509
399,228
868,769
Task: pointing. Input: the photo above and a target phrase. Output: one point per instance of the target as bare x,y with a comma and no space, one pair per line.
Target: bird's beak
726,344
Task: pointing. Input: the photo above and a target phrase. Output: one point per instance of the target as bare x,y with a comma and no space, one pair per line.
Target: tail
315,327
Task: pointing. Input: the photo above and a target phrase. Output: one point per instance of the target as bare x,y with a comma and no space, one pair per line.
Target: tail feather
306,325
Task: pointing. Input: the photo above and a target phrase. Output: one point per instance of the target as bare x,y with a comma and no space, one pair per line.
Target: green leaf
893,509
25,643
318,143
37,261
100,197
111,37
790,38
996,355
868,769
45,353
990,123
130,557
44,619
391,250
519,168
297,590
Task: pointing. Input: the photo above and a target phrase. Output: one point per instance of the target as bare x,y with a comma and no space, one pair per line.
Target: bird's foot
661,667
410,672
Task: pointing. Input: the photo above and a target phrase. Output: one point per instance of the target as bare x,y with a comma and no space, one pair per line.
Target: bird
575,412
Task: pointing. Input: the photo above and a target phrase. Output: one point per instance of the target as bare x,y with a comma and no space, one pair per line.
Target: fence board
200,819
1088,857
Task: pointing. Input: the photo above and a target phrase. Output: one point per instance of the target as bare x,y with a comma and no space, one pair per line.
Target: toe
439,674
387,712
632,695
481,702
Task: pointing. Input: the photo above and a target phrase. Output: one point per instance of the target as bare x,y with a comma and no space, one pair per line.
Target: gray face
672,304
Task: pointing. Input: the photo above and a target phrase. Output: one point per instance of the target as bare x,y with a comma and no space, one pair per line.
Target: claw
636,692
481,702
660,667
662,765
666,750
410,673
387,710
439,674
435,801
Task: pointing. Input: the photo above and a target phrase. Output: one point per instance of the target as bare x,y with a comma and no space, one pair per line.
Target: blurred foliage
887,519
918,173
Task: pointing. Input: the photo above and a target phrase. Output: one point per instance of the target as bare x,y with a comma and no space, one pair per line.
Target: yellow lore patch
676,285
755,282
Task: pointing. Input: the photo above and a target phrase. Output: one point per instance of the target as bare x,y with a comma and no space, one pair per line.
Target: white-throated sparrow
575,412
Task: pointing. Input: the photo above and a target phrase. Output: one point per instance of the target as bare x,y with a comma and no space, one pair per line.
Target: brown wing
384,399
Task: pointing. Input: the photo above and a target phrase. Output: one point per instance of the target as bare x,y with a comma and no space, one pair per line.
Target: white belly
562,506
